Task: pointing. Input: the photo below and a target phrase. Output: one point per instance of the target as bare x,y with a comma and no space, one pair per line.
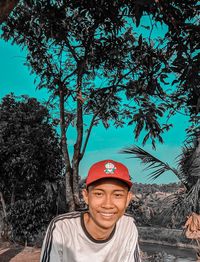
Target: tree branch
91,126
68,76
72,50
88,135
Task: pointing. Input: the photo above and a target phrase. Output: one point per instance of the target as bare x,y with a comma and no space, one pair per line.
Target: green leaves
29,217
157,166
183,202
101,37
23,127
30,156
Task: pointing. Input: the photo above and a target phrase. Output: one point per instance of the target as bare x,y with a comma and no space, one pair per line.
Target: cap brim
128,183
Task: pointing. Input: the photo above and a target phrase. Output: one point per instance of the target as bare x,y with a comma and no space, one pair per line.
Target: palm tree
188,173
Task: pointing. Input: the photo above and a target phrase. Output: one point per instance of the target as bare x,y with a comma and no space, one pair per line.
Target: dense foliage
30,165
182,203
99,69
150,200
6,7
146,189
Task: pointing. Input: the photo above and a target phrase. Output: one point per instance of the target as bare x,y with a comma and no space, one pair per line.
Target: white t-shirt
67,240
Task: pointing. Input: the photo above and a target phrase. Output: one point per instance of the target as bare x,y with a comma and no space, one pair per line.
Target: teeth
107,214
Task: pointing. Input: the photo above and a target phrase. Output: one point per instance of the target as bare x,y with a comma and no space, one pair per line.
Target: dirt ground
16,253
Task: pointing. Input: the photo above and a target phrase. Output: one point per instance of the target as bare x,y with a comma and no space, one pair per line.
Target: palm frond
189,160
193,196
152,163
174,210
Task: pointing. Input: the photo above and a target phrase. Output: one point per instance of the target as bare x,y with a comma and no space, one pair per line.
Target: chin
107,223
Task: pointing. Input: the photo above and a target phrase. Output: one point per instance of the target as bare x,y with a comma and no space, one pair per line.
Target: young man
103,233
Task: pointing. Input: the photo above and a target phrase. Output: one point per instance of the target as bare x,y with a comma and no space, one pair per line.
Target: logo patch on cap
110,168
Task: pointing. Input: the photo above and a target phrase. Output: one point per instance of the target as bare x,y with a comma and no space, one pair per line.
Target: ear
85,195
129,198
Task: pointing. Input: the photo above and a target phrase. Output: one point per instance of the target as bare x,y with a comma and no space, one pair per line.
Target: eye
118,195
98,194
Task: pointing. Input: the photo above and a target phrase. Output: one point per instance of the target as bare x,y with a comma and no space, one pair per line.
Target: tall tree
98,68
30,159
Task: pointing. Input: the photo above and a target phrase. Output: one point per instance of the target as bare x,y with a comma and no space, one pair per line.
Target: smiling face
107,200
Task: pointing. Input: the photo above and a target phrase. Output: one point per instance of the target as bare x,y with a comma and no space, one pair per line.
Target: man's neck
97,232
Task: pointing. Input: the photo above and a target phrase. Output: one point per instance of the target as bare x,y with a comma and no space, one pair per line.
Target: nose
107,202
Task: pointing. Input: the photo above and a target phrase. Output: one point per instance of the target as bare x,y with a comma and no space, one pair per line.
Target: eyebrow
116,190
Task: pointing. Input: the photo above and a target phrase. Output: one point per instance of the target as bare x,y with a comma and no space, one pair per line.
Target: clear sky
104,144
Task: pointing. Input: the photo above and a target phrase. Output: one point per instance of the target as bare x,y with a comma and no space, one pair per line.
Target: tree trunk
79,138
5,231
76,191
3,205
68,172
76,156
13,195
69,194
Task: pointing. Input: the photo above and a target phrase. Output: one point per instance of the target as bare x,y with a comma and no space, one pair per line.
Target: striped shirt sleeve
52,245
137,257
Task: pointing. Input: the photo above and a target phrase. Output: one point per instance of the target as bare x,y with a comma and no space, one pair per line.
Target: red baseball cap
108,169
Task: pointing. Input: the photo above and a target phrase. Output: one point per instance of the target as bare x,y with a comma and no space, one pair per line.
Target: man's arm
137,254
52,248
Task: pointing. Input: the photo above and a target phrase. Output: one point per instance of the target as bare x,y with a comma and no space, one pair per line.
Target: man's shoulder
63,218
128,219
127,225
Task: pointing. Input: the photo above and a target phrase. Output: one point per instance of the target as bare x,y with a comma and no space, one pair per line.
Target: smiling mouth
108,215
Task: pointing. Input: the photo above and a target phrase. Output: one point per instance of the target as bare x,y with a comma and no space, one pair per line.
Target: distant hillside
152,204
140,188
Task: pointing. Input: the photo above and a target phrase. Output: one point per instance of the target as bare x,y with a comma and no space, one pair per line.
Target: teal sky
103,144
